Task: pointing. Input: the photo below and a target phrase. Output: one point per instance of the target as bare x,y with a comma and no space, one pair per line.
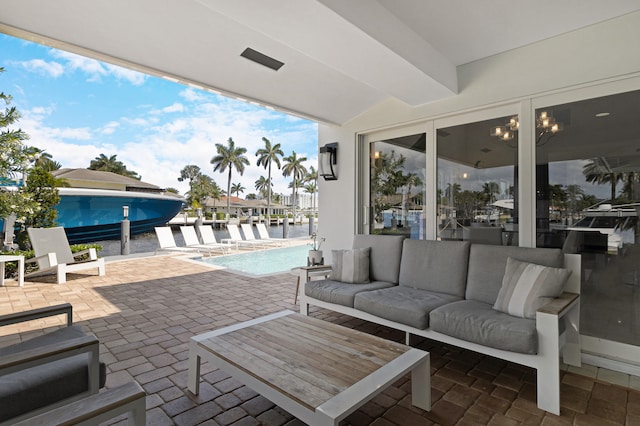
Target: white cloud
109,128
133,77
96,70
51,69
176,107
193,95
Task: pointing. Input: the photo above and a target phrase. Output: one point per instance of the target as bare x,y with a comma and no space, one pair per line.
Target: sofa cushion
350,266
526,287
487,264
479,323
439,266
406,305
39,386
339,292
384,259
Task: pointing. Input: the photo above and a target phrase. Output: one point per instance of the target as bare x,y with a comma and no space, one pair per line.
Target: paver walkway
145,310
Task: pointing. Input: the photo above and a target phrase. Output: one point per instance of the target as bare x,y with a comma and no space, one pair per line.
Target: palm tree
267,155
263,185
190,172
312,178
293,167
237,188
490,188
598,172
311,188
229,157
113,165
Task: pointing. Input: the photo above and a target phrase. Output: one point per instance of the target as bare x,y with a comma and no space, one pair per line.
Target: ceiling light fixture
546,126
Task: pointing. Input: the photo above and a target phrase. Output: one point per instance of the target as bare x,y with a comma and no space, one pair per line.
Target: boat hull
90,215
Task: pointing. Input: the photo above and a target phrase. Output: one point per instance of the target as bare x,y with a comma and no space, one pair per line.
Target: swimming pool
263,262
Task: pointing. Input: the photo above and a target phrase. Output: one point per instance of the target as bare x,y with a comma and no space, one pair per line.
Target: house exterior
561,74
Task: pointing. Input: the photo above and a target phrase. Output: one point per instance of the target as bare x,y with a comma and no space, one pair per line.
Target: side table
12,258
306,272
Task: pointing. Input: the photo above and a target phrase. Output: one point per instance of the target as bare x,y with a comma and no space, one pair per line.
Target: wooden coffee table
318,371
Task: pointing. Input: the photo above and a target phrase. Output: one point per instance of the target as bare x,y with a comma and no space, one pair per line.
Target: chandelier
546,128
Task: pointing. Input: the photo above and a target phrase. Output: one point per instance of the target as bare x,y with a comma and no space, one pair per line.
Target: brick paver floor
145,310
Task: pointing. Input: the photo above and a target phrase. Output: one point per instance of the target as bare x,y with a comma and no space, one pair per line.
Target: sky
76,108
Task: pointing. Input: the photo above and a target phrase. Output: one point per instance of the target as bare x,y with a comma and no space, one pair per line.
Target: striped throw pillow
526,287
350,266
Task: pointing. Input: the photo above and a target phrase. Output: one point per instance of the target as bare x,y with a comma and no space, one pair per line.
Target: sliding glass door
588,200
477,181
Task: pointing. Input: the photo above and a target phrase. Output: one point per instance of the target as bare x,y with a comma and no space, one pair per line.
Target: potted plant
315,254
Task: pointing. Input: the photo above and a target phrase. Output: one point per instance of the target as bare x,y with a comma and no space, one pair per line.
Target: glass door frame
595,350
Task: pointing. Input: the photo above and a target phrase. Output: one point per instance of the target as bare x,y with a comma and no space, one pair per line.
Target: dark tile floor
145,310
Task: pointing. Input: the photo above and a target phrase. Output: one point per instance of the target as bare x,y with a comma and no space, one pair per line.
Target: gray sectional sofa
446,291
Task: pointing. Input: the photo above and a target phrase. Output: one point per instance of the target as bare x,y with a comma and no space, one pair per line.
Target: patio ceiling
340,58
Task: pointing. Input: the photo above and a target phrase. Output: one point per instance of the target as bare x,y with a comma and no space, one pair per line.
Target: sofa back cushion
439,266
384,259
487,264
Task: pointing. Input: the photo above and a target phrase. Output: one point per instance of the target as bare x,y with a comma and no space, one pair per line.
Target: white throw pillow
350,266
526,287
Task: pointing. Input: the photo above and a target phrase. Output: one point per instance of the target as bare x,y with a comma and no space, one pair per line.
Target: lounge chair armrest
32,314
105,405
38,356
50,260
93,255
560,305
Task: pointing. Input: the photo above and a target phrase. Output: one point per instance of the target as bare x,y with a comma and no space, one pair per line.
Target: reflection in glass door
477,182
588,200
396,182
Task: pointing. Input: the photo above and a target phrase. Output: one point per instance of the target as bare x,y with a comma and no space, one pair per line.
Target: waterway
146,243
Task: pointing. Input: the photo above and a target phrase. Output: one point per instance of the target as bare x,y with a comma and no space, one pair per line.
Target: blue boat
91,208
90,215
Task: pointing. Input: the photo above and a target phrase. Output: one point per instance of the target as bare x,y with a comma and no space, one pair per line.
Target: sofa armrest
32,314
97,408
560,304
48,353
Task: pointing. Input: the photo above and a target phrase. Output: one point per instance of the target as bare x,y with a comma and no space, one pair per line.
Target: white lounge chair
236,238
263,234
53,255
208,237
168,243
250,236
191,240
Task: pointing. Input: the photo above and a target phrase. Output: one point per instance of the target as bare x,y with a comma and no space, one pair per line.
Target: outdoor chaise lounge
264,235
208,237
191,240
168,243
53,254
237,240
247,230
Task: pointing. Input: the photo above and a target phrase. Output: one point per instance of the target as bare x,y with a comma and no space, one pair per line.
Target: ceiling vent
262,59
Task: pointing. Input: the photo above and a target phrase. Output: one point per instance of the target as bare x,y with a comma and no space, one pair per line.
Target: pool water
263,262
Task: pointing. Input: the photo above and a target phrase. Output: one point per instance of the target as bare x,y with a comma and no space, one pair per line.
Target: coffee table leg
421,384
193,380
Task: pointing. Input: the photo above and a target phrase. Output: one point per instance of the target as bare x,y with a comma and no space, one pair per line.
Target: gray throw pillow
350,266
526,287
